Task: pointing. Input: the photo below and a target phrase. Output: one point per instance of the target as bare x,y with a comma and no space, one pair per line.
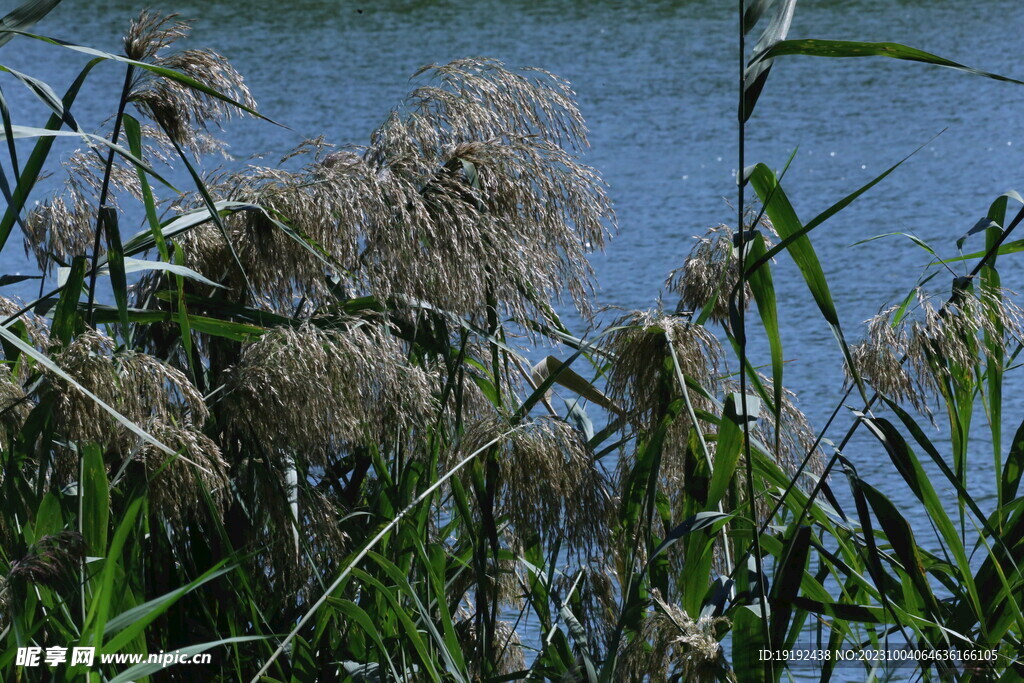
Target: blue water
656,83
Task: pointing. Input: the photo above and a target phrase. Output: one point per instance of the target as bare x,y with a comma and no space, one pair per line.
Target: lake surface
656,84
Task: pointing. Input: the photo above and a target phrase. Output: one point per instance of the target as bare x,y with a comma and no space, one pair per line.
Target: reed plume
64,226
671,645
639,343
548,483
184,113
52,561
485,202
709,274
365,391
910,358
506,641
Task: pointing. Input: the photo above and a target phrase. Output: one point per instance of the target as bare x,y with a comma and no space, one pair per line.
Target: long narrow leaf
787,223
24,17
756,73
845,48
33,167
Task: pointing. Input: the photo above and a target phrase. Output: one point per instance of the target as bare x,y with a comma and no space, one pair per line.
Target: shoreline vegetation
302,433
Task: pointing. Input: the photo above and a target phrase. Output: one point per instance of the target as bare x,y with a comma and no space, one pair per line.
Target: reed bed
306,436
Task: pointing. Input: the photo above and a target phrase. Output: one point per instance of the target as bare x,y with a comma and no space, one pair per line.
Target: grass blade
846,48
115,259
756,73
23,17
786,222
34,165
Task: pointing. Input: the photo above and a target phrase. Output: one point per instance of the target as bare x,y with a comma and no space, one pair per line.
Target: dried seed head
641,377
481,99
672,646
263,508
52,561
506,643
710,271
64,226
548,482
150,33
708,274
878,360
36,327
640,344
323,203
14,402
481,202
180,110
467,200
313,392
140,387
595,603
175,486
911,360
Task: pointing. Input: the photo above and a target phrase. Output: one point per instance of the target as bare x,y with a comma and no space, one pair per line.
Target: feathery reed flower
150,393
639,342
484,204
645,346
548,483
36,329
506,643
466,200
14,402
641,377
910,359
710,271
51,561
323,203
672,646
708,274
140,387
64,226
175,485
313,392
184,113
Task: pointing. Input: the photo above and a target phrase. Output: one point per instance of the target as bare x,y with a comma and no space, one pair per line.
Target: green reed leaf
763,287
139,671
33,167
756,73
24,17
845,48
730,444
116,267
95,506
789,227
788,578
66,318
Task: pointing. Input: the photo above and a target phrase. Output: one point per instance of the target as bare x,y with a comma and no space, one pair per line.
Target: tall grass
302,432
